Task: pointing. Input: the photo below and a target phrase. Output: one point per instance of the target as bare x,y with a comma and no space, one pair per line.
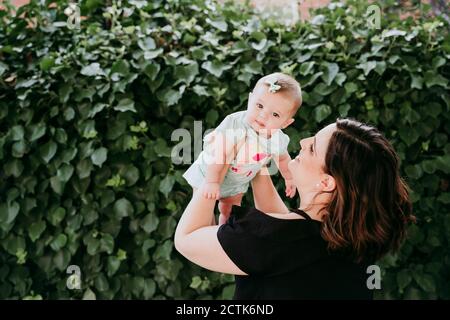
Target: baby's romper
254,153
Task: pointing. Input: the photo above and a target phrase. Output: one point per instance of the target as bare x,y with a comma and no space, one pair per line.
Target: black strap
302,213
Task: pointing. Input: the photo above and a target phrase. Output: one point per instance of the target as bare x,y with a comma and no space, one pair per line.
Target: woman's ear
328,184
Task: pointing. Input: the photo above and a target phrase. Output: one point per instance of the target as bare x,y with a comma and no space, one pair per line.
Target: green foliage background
86,116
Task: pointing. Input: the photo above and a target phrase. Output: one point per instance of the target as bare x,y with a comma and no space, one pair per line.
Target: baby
246,141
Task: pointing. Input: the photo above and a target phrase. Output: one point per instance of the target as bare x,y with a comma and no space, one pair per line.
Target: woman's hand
291,189
265,195
211,190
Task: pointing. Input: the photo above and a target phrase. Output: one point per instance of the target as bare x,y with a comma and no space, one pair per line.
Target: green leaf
343,109
8,213
14,244
211,117
254,67
99,156
19,149
444,198
152,54
200,90
330,72
62,259
121,255
403,279
340,78
321,112
149,289
36,131
56,216
58,242
65,172
426,282
57,185
121,67
215,67
196,282
89,295
186,74
123,208
166,185
48,151
434,79
169,97
152,70
107,243
130,173
380,68
259,45
149,223
101,283
35,230
14,168
147,44
46,63
218,24
408,135
392,33
112,265
69,114
351,87
96,109
164,251
324,89
3,68
429,166
389,98
125,105
17,133
367,66
84,168
25,83
438,62
92,70
413,171
64,92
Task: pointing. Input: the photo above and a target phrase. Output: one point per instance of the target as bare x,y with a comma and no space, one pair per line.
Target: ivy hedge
86,116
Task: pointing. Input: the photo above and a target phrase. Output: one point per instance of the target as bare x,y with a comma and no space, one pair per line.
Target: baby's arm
283,161
215,172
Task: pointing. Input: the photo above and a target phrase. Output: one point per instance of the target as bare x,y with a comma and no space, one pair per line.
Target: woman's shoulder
272,225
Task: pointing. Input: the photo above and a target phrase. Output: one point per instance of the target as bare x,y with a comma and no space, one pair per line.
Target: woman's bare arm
265,195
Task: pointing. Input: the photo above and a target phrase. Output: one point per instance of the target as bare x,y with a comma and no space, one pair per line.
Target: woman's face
307,166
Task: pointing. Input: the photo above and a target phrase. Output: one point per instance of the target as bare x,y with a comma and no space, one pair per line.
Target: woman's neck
313,204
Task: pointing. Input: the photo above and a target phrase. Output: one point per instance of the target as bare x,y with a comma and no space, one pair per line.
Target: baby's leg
225,210
225,205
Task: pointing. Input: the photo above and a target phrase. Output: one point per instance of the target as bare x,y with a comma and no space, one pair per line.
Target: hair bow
274,87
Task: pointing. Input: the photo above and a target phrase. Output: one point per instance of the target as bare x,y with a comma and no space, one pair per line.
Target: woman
354,209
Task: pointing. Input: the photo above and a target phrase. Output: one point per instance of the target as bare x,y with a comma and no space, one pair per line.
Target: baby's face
268,111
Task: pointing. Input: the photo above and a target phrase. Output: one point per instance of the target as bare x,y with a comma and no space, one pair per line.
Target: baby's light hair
280,82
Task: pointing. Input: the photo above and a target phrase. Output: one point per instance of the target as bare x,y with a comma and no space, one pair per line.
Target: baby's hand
290,188
211,190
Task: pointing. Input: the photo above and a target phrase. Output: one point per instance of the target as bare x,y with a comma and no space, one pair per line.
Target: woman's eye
311,148
259,106
276,115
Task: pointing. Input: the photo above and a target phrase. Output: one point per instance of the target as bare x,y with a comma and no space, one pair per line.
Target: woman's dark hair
370,207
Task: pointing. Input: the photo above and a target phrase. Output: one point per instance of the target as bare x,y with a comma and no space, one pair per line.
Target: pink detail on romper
259,156
249,173
234,169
